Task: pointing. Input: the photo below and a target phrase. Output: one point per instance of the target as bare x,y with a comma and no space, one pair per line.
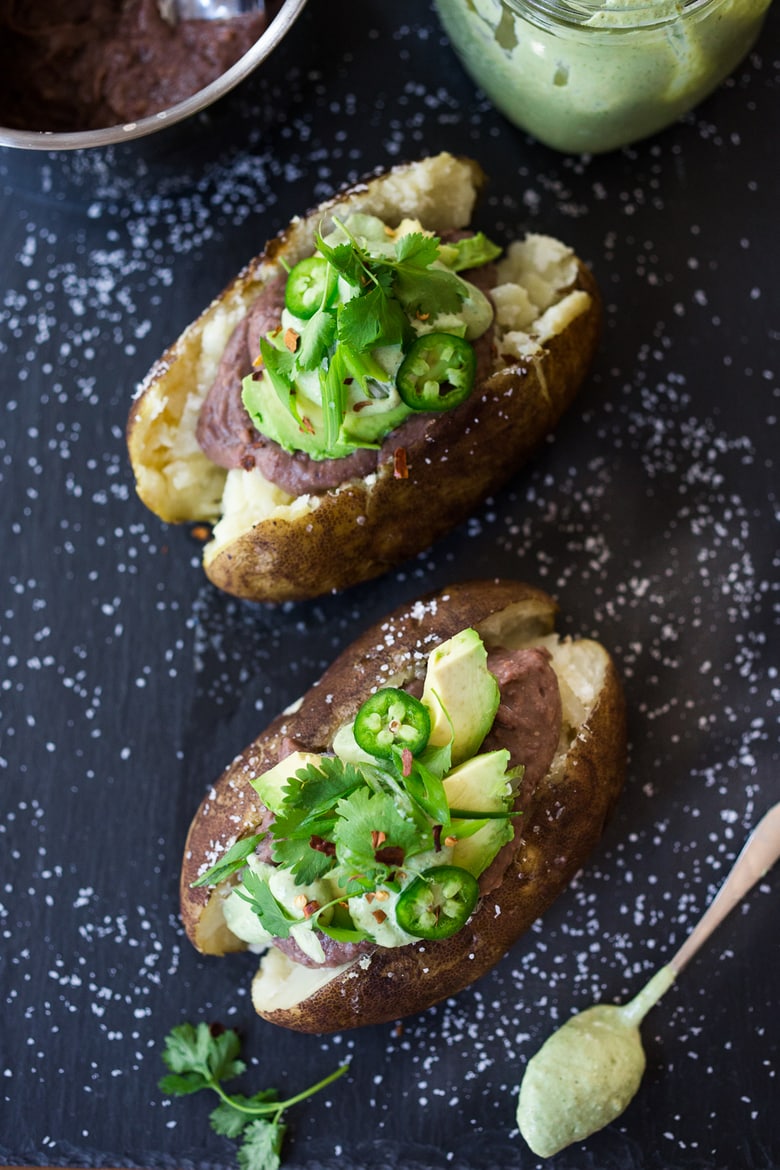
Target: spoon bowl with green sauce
587,1072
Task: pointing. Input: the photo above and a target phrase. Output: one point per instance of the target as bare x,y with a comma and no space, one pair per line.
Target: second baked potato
552,706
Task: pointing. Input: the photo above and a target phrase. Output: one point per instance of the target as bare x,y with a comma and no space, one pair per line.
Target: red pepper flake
390,855
422,316
377,838
258,361
379,915
451,841
201,532
307,425
322,846
310,908
436,834
406,762
291,340
400,468
361,405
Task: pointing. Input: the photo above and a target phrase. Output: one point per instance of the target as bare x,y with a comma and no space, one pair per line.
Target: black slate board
128,682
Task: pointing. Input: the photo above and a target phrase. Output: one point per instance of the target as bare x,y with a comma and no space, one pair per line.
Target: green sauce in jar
594,75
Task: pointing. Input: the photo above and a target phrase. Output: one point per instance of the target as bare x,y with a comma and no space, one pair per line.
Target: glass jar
585,76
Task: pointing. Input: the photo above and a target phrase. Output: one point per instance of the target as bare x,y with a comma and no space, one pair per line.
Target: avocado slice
481,784
270,786
461,695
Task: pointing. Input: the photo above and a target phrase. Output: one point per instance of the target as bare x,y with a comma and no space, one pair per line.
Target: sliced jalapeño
310,287
390,719
438,902
437,373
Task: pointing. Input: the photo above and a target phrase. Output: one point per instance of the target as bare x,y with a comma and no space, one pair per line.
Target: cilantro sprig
203,1057
392,289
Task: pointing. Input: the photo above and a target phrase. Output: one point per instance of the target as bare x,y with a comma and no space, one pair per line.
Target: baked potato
289,518
530,755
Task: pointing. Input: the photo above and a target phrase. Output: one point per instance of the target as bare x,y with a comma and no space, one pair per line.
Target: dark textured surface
128,682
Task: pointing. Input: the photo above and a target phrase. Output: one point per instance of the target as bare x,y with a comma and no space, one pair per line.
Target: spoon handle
759,854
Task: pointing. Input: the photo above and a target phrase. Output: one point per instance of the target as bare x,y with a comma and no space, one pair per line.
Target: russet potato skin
366,526
556,833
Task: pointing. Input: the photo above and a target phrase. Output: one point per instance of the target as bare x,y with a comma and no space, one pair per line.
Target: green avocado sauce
595,75
587,1072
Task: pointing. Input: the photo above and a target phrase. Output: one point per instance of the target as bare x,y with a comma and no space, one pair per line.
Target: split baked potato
563,777
273,541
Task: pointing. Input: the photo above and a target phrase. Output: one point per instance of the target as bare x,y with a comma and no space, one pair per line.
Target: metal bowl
278,27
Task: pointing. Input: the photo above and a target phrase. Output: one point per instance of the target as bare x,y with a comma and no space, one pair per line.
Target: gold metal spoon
585,1074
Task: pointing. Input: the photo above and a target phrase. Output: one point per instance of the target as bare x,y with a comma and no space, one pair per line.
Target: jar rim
631,14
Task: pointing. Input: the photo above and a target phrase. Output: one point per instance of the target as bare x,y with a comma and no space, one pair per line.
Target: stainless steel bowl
79,139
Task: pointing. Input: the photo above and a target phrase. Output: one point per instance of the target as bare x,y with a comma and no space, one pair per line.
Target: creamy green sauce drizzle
587,1072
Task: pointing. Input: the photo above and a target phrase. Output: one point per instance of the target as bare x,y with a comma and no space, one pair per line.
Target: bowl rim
109,135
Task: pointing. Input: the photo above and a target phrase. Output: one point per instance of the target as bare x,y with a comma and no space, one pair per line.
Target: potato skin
366,527
559,829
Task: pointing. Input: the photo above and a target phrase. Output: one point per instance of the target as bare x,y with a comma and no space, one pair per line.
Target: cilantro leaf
361,817
308,810
325,782
316,338
273,916
306,864
417,249
371,320
199,1050
297,823
346,258
181,1084
233,860
261,1149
